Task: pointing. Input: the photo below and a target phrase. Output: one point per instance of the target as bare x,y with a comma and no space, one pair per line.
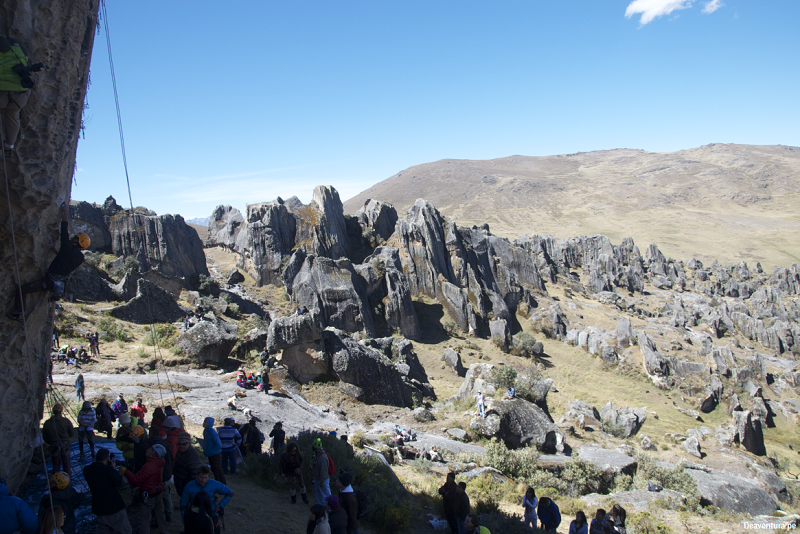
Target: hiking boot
294,499
305,499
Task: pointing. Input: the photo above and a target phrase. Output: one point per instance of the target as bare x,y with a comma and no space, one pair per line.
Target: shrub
141,353
131,264
524,342
645,523
92,258
521,463
110,330
450,327
165,335
582,477
504,377
358,439
675,478
208,286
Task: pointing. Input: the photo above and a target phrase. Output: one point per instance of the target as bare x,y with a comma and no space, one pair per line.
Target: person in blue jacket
15,515
212,448
549,515
212,488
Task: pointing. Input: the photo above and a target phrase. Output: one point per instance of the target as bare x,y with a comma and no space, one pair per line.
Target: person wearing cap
56,432
230,439
212,448
69,258
210,486
172,428
349,502
107,504
186,464
120,406
319,471
337,518
150,483
63,495
86,421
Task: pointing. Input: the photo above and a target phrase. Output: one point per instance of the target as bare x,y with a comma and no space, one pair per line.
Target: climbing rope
153,331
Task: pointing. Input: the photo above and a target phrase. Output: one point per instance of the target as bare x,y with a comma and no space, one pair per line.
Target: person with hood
549,515
68,259
138,410
349,502
173,428
187,462
120,406
319,471
56,432
278,436
337,518
212,448
149,481
107,504
80,388
318,521
15,515
105,418
63,495
86,422
230,439
255,438
291,469
212,487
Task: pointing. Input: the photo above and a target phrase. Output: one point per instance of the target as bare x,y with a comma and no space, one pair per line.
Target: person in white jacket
318,520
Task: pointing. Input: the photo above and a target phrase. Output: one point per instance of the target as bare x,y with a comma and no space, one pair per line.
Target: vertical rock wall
59,33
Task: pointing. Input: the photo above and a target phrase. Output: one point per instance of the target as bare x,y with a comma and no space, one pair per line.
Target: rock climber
15,85
68,259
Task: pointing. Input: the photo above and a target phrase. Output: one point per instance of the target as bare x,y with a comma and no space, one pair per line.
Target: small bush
645,523
92,258
504,377
110,330
521,463
582,477
208,286
525,342
141,353
450,327
165,334
675,478
131,264
358,439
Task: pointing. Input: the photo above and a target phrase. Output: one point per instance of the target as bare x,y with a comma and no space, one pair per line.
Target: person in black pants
107,504
69,258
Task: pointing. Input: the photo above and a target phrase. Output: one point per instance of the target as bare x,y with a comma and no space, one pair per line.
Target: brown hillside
719,201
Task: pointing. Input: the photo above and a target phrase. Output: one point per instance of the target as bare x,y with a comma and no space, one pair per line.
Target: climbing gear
138,431
83,240
60,480
160,450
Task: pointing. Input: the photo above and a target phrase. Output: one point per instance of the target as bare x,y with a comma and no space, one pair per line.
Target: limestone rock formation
59,34
732,493
453,360
748,433
300,339
519,423
608,461
89,283
150,305
386,284
583,415
224,226
209,341
379,217
692,446
629,420
89,219
478,378
164,243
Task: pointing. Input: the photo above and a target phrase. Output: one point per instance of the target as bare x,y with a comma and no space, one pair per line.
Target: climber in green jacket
15,85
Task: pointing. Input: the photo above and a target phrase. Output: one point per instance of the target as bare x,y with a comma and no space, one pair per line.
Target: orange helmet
83,240
137,431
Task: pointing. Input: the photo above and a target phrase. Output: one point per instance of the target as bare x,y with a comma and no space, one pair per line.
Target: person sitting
435,455
510,393
596,526
68,259
579,525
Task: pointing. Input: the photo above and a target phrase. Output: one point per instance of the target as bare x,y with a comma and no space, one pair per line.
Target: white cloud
712,6
650,9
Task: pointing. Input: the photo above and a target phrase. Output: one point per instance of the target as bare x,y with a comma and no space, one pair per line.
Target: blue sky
241,102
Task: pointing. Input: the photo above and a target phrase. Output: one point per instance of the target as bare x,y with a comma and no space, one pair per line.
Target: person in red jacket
172,426
138,410
149,481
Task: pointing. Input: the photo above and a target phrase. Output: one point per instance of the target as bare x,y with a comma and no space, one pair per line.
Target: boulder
748,433
629,420
224,226
692,446
733,404
423,415
583,415
150,305
211,340
300,339
724,434
498,330
608,461
712,395
453,360
378,216
639,500
732,493
654,363
234,277
647,444
254,340
520,423
458,433
478,378
381,380
88,283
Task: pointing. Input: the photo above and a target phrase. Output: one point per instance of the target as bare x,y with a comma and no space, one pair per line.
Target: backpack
363,502
331,465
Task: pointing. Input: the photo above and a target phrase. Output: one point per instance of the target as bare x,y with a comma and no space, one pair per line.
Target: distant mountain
200,221
725,201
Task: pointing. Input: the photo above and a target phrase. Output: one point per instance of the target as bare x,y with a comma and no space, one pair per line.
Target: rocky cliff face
59,33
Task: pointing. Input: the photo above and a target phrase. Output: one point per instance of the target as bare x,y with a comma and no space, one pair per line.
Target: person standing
291,469
549,515
80,388
480,399
56,432
462,505
278,436
107,504
349,501
105,418
212,488
212,448
68,259
187,462
149,480
120,406
138,410
230,440
86,422
449,501
337,518
15,515
319,471
529,502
